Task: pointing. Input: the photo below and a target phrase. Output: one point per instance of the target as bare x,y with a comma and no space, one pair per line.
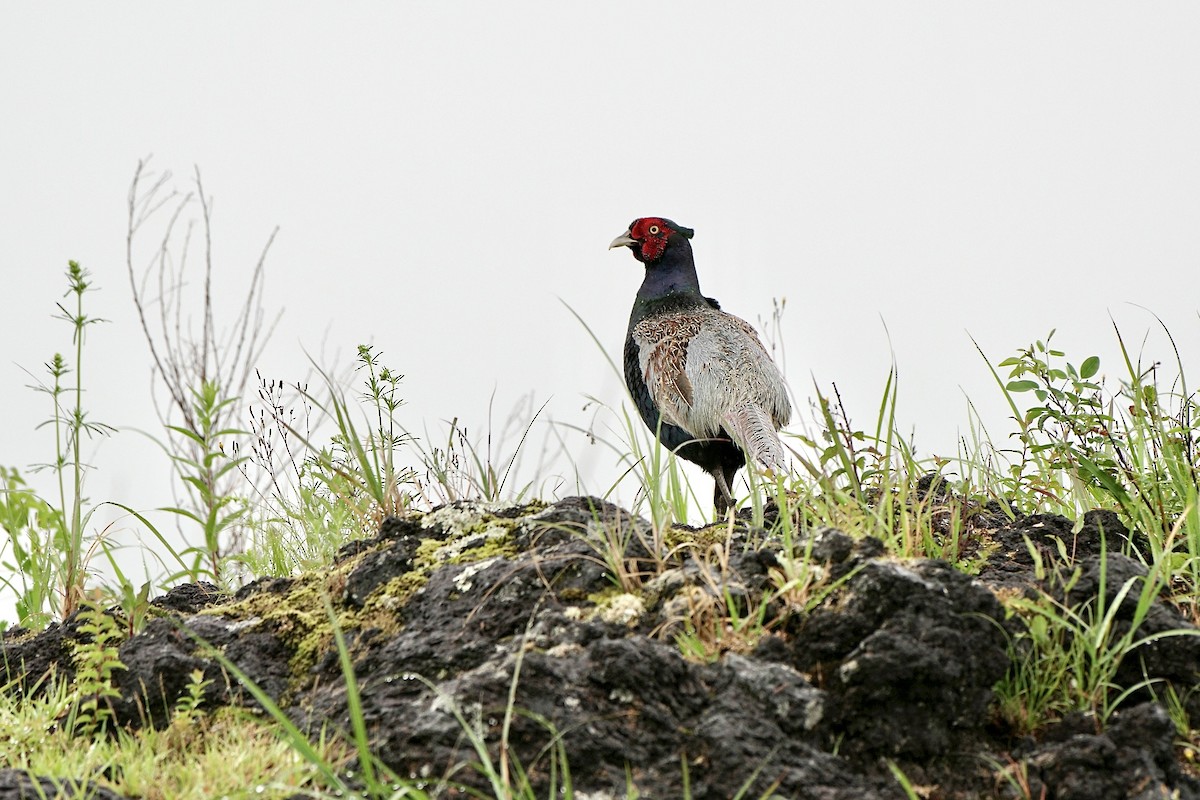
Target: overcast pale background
907,175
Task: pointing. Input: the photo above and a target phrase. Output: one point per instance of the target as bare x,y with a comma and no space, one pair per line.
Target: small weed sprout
187,707
96,661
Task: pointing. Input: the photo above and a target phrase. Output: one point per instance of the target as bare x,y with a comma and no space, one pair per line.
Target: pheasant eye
653,230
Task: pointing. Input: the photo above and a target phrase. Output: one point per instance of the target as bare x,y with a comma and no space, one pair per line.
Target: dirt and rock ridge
877,664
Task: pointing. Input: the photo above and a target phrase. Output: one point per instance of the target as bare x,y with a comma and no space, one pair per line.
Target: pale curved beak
624,240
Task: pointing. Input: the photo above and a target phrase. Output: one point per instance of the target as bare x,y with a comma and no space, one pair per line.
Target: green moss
296,616
572,594
497,547
703,538
393,595
604,595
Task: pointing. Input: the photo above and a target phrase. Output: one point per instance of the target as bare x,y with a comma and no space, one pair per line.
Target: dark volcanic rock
188,598
505,628
159,663
908,654
377,567
1133,758
27,656
618,703
1055,541
19,785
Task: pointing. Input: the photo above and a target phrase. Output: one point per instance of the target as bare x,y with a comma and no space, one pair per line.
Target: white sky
441,173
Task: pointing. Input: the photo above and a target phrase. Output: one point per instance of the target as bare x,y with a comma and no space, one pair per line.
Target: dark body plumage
699,377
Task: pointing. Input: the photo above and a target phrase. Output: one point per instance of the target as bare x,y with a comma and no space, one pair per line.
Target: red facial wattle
651,233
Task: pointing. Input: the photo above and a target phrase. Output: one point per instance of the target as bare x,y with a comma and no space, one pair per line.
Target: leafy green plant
1131,451
135,605
362,468
1067,429
204,470
28,554
1134,451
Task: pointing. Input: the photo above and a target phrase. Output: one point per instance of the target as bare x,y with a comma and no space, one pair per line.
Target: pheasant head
650,237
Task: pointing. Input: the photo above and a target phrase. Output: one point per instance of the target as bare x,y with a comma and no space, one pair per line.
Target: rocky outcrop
557,633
